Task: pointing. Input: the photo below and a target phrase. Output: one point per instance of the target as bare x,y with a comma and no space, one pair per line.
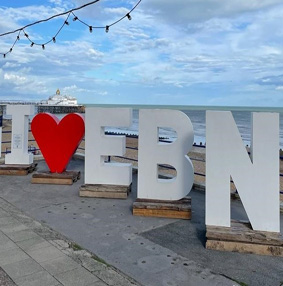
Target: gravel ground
5,280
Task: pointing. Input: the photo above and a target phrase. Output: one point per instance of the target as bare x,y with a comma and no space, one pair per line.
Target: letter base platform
17,169
105,191
240,237
167,209
65,178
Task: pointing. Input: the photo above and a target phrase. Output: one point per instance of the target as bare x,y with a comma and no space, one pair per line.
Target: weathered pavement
33,254
153,251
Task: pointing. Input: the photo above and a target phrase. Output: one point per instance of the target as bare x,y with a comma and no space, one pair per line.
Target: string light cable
21,31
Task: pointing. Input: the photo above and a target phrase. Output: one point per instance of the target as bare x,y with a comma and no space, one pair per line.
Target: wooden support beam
158,208
104,191
17,169
65,178
240,237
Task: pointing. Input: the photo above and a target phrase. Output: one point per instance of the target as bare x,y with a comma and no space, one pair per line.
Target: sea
242,117
197,117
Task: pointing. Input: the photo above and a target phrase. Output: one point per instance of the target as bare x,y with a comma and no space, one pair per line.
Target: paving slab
79,276
5,280
33,243
13,228
98,283
21,235
59,265
3,213
5,243
42,278
5,221
12,255
22,268
46,253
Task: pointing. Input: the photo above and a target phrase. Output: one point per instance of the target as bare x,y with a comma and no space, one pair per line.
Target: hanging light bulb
107,29
32,43
129,16
90,29
75,18
66,23
18,38
43,47
54,40
4,56
26,35
11,50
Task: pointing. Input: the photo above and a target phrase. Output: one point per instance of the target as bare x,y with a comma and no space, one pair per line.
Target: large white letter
152,153
256,178
20,126
98,145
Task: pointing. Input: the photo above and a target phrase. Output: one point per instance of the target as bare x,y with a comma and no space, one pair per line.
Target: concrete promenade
33,254
100,242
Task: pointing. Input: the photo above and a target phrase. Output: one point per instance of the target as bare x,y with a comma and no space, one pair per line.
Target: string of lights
21,31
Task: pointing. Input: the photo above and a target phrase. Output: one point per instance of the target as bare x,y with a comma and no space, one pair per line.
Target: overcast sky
184,52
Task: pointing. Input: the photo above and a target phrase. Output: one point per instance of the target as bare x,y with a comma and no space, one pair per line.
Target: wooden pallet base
240,237
168,209
17,169
65,178
105,191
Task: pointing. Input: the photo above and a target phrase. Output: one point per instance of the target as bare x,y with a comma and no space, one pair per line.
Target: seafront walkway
33,254
51,236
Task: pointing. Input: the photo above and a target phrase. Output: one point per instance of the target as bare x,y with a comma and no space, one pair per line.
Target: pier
43,107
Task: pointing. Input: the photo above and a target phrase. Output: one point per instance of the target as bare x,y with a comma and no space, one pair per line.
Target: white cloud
73,89
15,79
28,13
11,65
188,11
95,53
56,2
121,11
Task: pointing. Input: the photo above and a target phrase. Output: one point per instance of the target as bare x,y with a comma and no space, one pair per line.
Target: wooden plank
240,237
104,195
105,188
67,181
17,169
14,167
104,191
182,201
13,172
162,213
64,175
233,246
159,208
65,178
242,232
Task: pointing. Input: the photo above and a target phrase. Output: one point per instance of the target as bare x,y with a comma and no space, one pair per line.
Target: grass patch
76,247
235,280
98,259
241,283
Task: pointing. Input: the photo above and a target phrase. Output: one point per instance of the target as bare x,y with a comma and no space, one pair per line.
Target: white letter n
256,178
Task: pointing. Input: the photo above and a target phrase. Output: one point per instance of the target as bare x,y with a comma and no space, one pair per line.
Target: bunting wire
66,23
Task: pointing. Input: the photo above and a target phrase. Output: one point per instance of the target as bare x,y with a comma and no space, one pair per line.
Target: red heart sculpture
58,140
